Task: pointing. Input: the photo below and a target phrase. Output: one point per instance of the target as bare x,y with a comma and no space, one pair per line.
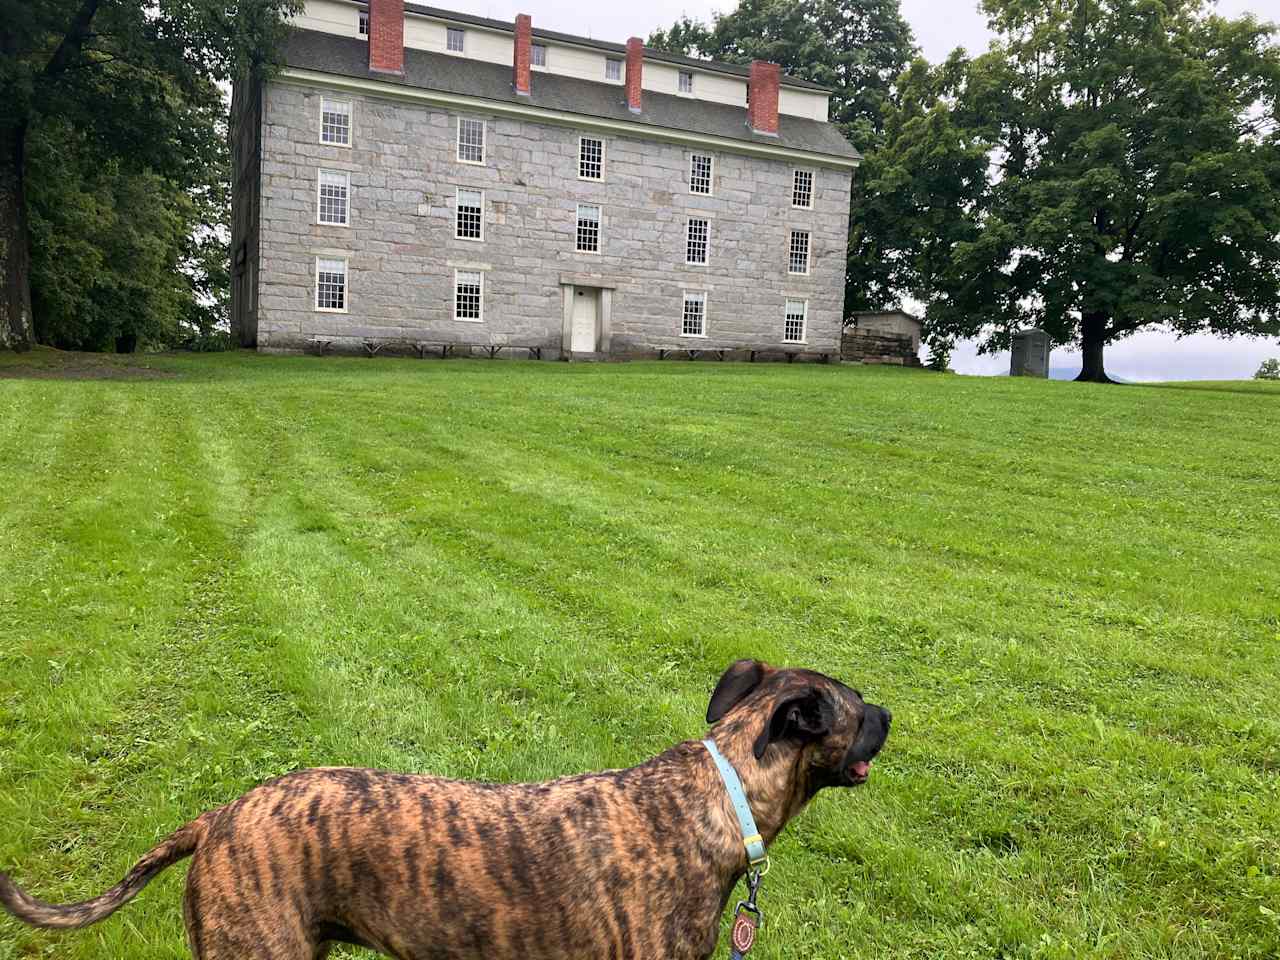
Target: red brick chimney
386,36
635,67
762,111
523,55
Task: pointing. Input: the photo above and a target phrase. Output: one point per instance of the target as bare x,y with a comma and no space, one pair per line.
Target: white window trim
351,123
346,287
546,58
484,141
457,202
599,230
362,17
599,179
813,184
622,70
458,319
804,336
808,258
320,172
711,175
684,298
697,263
448,49
693,85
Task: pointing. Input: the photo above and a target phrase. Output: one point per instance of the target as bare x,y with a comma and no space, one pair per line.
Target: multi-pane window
802,189
685,83
335,121
455,39
364,23
588,228
470,140
538,55
794,321
799,259
331,284
700,173
470,215
612,69
331,197
696,240
590,158
468,295
694,321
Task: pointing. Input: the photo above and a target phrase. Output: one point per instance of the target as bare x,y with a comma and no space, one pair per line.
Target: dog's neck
777,785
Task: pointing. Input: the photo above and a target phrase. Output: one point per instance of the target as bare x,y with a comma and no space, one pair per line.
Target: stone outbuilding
882,336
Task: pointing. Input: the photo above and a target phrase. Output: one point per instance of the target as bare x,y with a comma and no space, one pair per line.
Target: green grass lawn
1069,596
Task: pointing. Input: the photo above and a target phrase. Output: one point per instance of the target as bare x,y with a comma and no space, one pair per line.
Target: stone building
416,177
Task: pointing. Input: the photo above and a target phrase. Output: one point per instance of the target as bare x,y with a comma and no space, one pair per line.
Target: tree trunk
1093,336
15,240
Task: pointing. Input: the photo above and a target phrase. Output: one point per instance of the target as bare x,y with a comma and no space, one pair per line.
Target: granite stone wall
402,252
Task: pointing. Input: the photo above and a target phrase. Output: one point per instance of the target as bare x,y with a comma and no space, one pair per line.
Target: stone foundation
867,347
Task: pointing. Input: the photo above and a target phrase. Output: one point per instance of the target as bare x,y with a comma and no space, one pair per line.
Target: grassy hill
215,569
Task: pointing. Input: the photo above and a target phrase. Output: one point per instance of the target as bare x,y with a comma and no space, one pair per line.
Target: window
364,23
799,262
331,285
332,188
685,83
335,121
794,321
538,55
468,295
802,189
612,69
470,140
700,173
455,39
696,240
694,321
469,221
590,158
588,228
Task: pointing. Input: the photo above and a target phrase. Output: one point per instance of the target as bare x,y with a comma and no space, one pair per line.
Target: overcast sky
940,26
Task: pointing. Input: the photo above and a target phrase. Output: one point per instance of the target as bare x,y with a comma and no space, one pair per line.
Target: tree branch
72,43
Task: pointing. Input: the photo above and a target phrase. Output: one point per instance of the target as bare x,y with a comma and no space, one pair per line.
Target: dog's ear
735,684
805,713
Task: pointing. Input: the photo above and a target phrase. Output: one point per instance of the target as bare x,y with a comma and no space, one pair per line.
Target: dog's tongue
861,768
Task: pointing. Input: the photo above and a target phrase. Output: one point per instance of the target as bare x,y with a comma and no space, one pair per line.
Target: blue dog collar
751,838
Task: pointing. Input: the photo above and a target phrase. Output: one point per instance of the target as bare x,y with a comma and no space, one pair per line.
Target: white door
586,301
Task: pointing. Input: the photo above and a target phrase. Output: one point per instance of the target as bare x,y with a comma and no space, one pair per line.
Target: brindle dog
627,864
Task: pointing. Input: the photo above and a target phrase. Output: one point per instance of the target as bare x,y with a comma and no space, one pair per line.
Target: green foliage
106,243
128,162
940,356
1269,370
411,565
1103,168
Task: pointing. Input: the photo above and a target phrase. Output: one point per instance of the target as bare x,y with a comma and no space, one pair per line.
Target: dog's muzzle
870,740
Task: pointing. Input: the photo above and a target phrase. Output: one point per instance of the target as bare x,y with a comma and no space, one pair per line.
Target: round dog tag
744,932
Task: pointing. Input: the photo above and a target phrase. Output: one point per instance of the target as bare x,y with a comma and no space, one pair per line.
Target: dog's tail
175,847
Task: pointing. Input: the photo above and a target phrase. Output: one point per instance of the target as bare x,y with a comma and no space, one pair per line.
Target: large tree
1107,166
134,86
857,48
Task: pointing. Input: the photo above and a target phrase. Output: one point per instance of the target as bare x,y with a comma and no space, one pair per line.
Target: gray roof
716,66
349,57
